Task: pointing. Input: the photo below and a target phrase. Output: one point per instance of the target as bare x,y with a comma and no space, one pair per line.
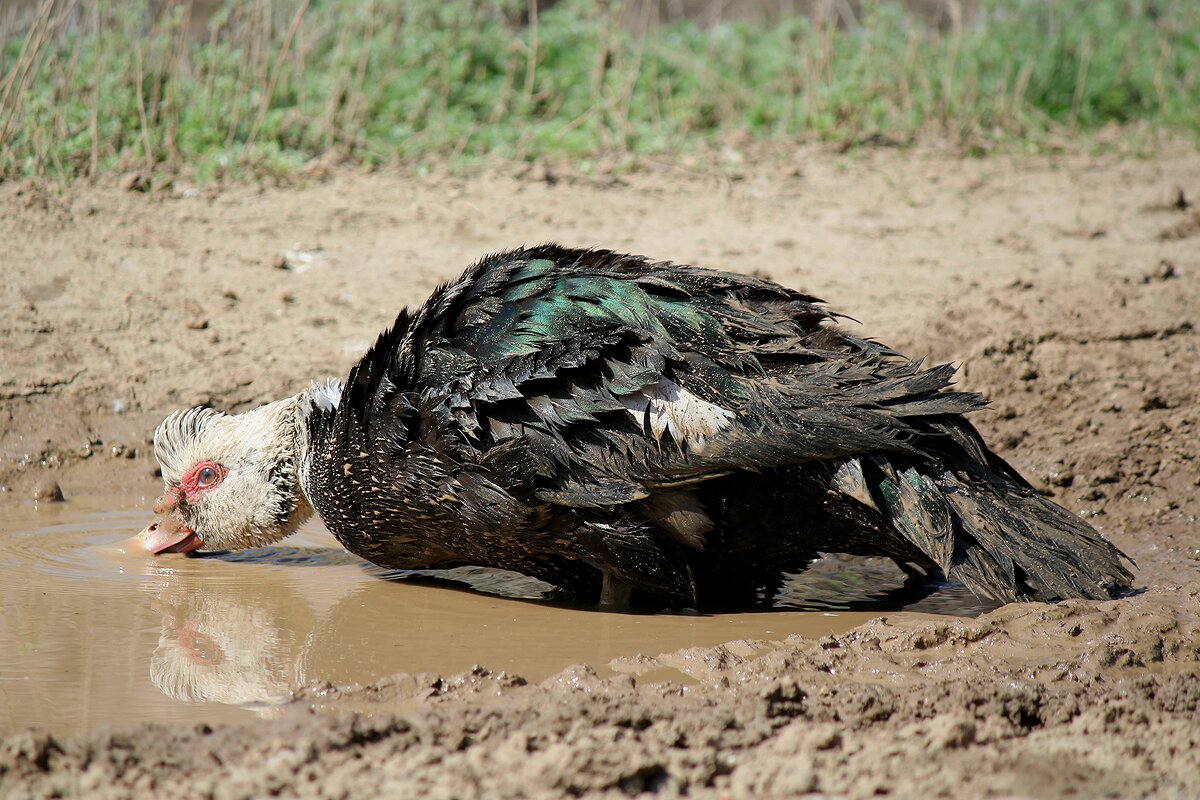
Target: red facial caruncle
201,478
169,532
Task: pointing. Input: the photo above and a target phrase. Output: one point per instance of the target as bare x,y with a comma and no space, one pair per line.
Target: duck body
624,428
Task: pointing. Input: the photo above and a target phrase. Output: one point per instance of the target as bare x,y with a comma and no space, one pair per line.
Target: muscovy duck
629,430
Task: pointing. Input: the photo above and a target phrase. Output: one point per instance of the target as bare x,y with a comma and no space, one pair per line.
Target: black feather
538,413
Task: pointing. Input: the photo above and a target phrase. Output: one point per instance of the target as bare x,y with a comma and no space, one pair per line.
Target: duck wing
588,380
604,377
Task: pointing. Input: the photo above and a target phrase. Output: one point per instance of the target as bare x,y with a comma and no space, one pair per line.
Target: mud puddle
95,632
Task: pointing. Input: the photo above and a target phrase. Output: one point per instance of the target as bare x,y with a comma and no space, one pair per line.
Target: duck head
232,481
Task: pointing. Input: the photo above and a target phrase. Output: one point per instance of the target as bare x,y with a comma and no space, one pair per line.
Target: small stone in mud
1154,402
1060,478
197,324
299,258
48,491
1165,271
1181,202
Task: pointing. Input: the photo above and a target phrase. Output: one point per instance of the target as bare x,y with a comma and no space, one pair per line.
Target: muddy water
95,632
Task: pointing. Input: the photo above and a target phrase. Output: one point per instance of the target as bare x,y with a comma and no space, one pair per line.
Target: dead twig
275,71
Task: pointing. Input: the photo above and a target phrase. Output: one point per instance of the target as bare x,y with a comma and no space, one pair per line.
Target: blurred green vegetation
266,86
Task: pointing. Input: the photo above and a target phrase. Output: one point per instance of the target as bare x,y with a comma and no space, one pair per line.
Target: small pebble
48,491
1181,201
1165,271
300,258
1154,402
1060,477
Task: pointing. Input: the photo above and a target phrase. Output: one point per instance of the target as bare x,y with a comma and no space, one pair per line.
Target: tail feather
994,534
919,511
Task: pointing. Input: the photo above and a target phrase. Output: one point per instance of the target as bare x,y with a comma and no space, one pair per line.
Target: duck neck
315,411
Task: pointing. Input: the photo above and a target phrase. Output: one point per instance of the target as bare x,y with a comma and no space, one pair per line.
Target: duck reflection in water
238,644
253,627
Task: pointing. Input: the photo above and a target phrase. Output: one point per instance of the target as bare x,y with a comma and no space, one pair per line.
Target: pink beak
168,533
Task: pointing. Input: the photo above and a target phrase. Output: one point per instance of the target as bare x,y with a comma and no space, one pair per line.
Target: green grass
265,87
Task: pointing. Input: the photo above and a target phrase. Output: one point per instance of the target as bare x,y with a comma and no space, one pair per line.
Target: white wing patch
673,409
326,394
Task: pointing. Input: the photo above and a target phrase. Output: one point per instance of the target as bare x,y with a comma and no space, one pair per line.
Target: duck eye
206,478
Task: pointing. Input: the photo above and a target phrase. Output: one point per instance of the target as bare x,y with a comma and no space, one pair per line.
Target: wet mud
1066,287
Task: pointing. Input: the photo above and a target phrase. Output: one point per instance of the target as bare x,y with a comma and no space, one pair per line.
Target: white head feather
260,500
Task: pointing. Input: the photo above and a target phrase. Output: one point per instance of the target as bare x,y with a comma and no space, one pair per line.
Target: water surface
96,632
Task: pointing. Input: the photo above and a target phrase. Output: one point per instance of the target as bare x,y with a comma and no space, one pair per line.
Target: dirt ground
1067,287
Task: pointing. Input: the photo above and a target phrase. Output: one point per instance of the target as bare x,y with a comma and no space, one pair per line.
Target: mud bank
1067,288
1078,699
